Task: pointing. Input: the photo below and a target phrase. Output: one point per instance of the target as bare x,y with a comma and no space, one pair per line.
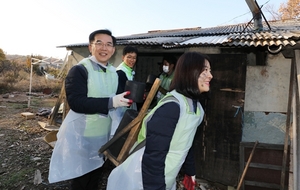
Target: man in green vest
125,72
126,69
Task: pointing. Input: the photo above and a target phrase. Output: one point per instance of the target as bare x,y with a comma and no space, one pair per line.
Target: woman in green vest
167,132
168,67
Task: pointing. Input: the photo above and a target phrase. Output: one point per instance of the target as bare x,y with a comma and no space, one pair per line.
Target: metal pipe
256,13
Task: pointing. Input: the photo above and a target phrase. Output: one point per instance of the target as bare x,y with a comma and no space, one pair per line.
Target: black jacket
76,92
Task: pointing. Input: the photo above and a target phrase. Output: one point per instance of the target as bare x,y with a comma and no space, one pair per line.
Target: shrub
15,76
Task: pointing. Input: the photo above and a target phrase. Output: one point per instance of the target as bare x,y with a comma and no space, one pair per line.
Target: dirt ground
24,154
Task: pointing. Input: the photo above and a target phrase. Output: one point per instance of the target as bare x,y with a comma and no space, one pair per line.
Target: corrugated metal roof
279,33
154,41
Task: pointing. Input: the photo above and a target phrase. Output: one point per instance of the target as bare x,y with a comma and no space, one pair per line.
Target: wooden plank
267,166
262,145
133,127
246,167
287,127
66,107
242,160
162,90
60,99
48,127
232,90
296,123
131,139
50,138
111,158
262,184
28,115
119,134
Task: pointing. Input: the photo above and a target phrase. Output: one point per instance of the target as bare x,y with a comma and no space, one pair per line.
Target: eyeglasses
102,45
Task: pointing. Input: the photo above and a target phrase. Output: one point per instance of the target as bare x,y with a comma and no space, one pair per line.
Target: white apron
82,135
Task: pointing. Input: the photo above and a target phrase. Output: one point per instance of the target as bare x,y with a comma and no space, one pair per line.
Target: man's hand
120,101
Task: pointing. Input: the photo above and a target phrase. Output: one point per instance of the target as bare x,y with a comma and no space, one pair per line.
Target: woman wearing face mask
169,63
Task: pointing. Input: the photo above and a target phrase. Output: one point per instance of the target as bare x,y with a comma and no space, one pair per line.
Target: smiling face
130,59
102,48
205,78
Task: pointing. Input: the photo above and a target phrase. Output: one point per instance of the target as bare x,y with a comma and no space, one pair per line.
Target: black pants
88,181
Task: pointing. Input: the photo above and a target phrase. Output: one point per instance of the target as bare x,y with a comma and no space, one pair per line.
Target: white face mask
165,68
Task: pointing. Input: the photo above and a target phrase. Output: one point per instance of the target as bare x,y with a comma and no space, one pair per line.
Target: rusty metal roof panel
243,40
265,39
244,43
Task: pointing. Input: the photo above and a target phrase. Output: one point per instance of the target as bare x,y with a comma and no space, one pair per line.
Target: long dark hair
188,68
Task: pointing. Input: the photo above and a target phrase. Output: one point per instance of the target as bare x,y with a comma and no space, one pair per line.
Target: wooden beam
246,167
60,99
288,53
296,121
287,127
133,127
162,90
261,184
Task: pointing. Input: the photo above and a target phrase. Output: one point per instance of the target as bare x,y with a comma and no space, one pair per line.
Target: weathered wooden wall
217,142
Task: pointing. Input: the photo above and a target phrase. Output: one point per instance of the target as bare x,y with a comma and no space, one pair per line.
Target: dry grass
38,84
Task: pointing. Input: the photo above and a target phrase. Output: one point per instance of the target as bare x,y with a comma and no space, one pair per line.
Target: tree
11,76
275,15
28,62
4,66
2,55
290,9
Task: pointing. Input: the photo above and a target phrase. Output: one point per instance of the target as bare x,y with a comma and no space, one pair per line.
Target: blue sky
38,26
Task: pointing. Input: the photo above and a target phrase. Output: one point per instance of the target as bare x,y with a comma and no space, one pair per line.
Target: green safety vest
166,80
100,84
183,136
126,69
165,83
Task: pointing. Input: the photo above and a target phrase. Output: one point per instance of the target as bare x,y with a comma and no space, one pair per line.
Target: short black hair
130,49
170,59
102,31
